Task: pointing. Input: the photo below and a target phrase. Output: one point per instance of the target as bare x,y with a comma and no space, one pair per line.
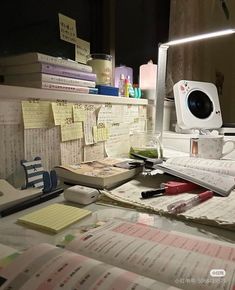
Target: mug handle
229,150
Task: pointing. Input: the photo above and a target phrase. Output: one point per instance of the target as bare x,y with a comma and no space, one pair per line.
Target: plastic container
122,70
101,65
148,76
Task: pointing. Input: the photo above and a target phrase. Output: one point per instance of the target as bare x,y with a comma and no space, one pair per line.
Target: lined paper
79,114
10,112
62,112
71,131
100,132
36,114
54,218
71,152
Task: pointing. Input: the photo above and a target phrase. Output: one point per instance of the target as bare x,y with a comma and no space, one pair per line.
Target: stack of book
39,70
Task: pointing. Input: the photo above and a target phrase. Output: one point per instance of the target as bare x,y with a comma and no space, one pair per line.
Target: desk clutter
216,211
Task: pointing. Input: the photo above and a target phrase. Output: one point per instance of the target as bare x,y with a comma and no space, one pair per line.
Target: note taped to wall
36,114
10,161
44,142
62,112
82,50
10,112
79,114
71,131
109,114
68,31
118,144
130,113
71,152
89,123
100,132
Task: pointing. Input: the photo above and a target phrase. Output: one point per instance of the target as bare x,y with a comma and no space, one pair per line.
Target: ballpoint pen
183,205
170,187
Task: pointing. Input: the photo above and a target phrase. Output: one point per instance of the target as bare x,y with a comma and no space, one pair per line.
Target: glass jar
102,66
146,144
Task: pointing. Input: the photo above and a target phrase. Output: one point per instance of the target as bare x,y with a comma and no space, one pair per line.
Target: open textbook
216,175
124,255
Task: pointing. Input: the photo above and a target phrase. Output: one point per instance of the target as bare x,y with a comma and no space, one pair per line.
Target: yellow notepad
54,218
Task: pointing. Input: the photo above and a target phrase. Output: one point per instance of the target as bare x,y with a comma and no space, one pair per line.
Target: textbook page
226,167
45,267
217,182
178,259
209,212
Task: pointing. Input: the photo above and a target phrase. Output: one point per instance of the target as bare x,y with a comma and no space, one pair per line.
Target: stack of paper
54,218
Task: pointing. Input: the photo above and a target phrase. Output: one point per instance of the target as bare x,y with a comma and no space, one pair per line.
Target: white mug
210,147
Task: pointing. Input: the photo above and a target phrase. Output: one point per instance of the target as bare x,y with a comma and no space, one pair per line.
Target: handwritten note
82,50
62,112
143,112
118,144
130,113
10,112
89,123
94,152
138,125
79,114
44,143
71,131
109,114
100,132
68,31
12,149
36,114
71,152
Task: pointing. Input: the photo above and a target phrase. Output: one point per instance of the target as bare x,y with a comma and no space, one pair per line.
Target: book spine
43,58
66,72
67,88
36,57
67,81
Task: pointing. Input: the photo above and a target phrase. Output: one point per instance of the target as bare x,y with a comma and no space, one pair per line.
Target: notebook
54,218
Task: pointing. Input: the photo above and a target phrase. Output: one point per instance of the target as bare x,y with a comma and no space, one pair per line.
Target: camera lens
200,104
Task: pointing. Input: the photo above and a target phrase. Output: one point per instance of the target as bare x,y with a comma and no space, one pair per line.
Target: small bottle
121,85
126,88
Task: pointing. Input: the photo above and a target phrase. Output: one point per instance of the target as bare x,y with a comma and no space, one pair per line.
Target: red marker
183,205
170,187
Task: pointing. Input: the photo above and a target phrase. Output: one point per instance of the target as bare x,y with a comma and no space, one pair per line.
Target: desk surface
21,237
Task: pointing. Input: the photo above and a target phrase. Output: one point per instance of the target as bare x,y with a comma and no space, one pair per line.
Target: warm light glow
200,36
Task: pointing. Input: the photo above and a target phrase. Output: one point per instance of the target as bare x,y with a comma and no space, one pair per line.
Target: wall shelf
24,93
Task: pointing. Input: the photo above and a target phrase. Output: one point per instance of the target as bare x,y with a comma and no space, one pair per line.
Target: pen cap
205,195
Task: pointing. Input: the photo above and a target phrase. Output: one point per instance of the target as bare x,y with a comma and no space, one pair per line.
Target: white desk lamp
162,62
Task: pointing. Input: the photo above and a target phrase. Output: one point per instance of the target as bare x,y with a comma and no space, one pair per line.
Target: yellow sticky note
79,113
100,133
62,112
54,218
36,114
82,50
68,31
71,131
